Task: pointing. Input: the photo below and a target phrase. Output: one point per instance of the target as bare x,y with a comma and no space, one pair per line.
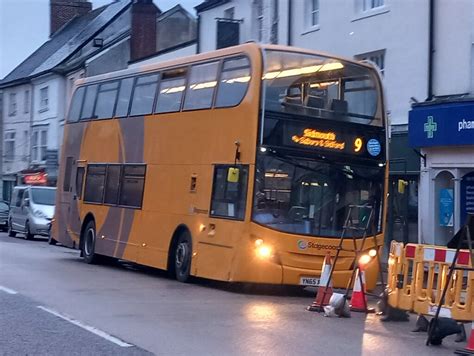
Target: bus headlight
262,251
364,259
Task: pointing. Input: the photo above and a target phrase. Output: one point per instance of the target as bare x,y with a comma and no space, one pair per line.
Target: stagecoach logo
302,244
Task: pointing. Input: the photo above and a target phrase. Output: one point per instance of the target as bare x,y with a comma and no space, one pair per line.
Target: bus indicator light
358,144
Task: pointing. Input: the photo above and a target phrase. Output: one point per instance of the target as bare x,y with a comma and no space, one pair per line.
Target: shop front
443,131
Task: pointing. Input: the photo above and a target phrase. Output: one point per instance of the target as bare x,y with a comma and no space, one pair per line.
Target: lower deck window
229,193
115,184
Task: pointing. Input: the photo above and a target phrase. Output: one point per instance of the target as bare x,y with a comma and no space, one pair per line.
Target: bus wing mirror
233,175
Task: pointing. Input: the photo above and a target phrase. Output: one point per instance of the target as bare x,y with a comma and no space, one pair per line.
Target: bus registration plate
309,281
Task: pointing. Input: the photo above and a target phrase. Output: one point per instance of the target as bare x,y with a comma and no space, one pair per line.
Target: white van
31,211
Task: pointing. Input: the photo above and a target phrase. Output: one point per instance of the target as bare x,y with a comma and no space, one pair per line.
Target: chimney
143,35
62,11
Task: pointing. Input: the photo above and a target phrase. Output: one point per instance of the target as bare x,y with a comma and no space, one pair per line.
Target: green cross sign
430,127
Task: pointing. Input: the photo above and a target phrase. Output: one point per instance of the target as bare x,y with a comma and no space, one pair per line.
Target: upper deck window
76,104
200,89
171,91
123,101
144,95
234,81
104,108
89,102
321,87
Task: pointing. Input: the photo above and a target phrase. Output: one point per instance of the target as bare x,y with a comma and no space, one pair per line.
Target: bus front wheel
88,243
182,257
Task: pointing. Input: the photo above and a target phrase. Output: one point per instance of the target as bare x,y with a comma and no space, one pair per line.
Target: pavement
151,313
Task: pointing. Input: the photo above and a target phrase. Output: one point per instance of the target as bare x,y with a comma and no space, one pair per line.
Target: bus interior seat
315,102
293,100
339,106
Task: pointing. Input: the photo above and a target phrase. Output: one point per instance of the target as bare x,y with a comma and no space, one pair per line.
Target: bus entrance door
72,197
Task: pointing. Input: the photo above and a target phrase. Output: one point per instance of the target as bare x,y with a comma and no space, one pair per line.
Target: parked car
31,211
4,209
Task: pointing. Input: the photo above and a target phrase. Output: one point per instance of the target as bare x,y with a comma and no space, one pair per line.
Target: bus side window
132,185
104,108
229,192
95,181
67,174
123,101
79,181
89,102
76,105
233,83
144,95
200,89
171,91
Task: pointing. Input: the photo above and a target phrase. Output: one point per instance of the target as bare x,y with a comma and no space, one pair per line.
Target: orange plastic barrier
417,275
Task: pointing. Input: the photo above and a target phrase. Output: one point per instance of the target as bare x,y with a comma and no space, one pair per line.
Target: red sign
37,178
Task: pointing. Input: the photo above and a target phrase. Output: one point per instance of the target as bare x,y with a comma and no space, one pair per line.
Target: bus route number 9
357,144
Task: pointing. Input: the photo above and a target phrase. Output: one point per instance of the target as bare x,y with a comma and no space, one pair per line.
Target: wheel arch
89,216
180,229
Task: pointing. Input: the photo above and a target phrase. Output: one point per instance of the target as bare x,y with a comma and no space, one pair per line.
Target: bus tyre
28,234
182,257
51,241
11,233
88,244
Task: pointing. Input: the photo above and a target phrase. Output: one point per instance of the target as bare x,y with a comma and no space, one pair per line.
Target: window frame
99,91
12,104
79,192
26,102
135,85
44,101
310,10
38,144
213,190
9,140
219,62
121,177
230,58
87,178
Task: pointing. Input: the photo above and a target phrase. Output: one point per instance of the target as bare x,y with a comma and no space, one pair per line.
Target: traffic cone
324,294
359,298
469,349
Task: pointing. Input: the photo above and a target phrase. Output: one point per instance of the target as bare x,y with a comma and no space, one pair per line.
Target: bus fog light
264,251
364,259
373,253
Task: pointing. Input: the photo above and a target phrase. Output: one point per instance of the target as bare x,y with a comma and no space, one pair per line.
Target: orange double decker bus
233,165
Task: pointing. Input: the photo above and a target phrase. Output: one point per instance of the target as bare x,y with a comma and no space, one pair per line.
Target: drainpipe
290,26
431,51
198,36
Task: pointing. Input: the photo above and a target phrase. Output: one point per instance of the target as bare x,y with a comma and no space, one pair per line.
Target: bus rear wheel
88,244
182,257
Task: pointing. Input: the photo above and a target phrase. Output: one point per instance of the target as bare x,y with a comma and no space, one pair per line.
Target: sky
24,26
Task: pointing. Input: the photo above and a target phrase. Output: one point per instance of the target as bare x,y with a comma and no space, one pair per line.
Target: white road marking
89,328
8,290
